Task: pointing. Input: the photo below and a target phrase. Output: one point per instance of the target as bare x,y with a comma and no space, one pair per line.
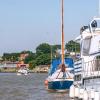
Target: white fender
97,95
85,95
77,90
72,91
92,94
81,93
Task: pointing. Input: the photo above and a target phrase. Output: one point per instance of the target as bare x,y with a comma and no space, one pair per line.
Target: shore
15,70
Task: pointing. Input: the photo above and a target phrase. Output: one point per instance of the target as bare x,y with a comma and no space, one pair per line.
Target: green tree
11,56
72,46
29,58
32,64
55,48
26,52
43,48
43,59
54,51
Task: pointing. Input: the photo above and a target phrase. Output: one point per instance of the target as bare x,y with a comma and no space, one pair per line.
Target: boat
87,67
61,77
58,80
23,70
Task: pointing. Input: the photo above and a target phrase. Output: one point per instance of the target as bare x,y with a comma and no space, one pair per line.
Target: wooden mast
62,34
62,39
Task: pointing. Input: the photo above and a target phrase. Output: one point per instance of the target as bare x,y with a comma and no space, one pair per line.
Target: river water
30,87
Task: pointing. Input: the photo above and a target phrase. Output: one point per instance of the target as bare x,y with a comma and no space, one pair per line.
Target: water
31,87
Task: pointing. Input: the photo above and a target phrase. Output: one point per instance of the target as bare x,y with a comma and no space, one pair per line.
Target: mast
62,34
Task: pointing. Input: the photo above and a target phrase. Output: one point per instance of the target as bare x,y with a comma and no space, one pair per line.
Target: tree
43,59
43,48
32,64
24,52
29,58
10,56
55,48
72,46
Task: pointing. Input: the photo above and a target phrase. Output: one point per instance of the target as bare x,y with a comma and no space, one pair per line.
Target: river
30,87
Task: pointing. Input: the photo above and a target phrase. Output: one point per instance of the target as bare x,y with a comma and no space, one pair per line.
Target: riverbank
15,70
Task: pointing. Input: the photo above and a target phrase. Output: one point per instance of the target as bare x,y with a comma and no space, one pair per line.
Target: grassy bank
15,70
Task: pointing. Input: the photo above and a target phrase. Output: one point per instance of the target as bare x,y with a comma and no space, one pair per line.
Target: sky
24,24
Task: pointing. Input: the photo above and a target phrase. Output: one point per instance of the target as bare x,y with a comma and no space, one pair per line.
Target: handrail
91,68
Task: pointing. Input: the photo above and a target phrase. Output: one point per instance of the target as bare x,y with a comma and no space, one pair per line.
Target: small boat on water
60,78
87,68
23,70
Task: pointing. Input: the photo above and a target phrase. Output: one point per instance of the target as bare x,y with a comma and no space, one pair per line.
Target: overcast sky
24,24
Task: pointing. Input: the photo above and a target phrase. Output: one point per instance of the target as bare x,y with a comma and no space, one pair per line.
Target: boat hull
60,86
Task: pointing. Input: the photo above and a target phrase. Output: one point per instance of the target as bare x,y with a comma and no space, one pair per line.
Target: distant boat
60,77
23,70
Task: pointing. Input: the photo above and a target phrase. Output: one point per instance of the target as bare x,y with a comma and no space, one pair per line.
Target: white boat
87,68
23,70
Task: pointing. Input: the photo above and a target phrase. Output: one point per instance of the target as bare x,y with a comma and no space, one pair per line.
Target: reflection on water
31,87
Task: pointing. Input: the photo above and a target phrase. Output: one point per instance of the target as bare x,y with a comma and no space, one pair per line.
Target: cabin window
98,58
99,45
77,77
86,46
97,63
91,81
96,23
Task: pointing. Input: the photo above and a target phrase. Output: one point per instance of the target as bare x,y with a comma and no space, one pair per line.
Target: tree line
43,55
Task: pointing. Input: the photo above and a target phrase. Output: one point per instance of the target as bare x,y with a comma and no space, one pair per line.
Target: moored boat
60,81
61,78
87,68
23,70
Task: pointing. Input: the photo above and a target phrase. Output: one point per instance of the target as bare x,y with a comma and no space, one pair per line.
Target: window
97,63
86,46
77,77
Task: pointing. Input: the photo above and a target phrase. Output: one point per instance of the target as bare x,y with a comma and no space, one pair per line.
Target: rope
58,74
64,71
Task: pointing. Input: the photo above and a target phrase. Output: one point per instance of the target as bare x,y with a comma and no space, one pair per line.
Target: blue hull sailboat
61,77
60,81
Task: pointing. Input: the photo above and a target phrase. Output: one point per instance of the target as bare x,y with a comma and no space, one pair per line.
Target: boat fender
86,96
72,91
92,93
97,95
81,93
77,92
46,82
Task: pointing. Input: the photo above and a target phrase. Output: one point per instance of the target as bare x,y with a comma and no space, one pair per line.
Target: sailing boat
61,77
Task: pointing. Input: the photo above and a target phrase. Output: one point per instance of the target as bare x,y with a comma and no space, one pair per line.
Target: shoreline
6,71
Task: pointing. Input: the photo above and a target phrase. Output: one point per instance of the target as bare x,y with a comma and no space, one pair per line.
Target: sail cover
56,62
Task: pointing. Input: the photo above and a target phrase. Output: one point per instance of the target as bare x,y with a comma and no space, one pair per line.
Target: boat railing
91,68
78,63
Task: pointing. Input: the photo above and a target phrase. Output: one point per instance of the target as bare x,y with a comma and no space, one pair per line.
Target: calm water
31,87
